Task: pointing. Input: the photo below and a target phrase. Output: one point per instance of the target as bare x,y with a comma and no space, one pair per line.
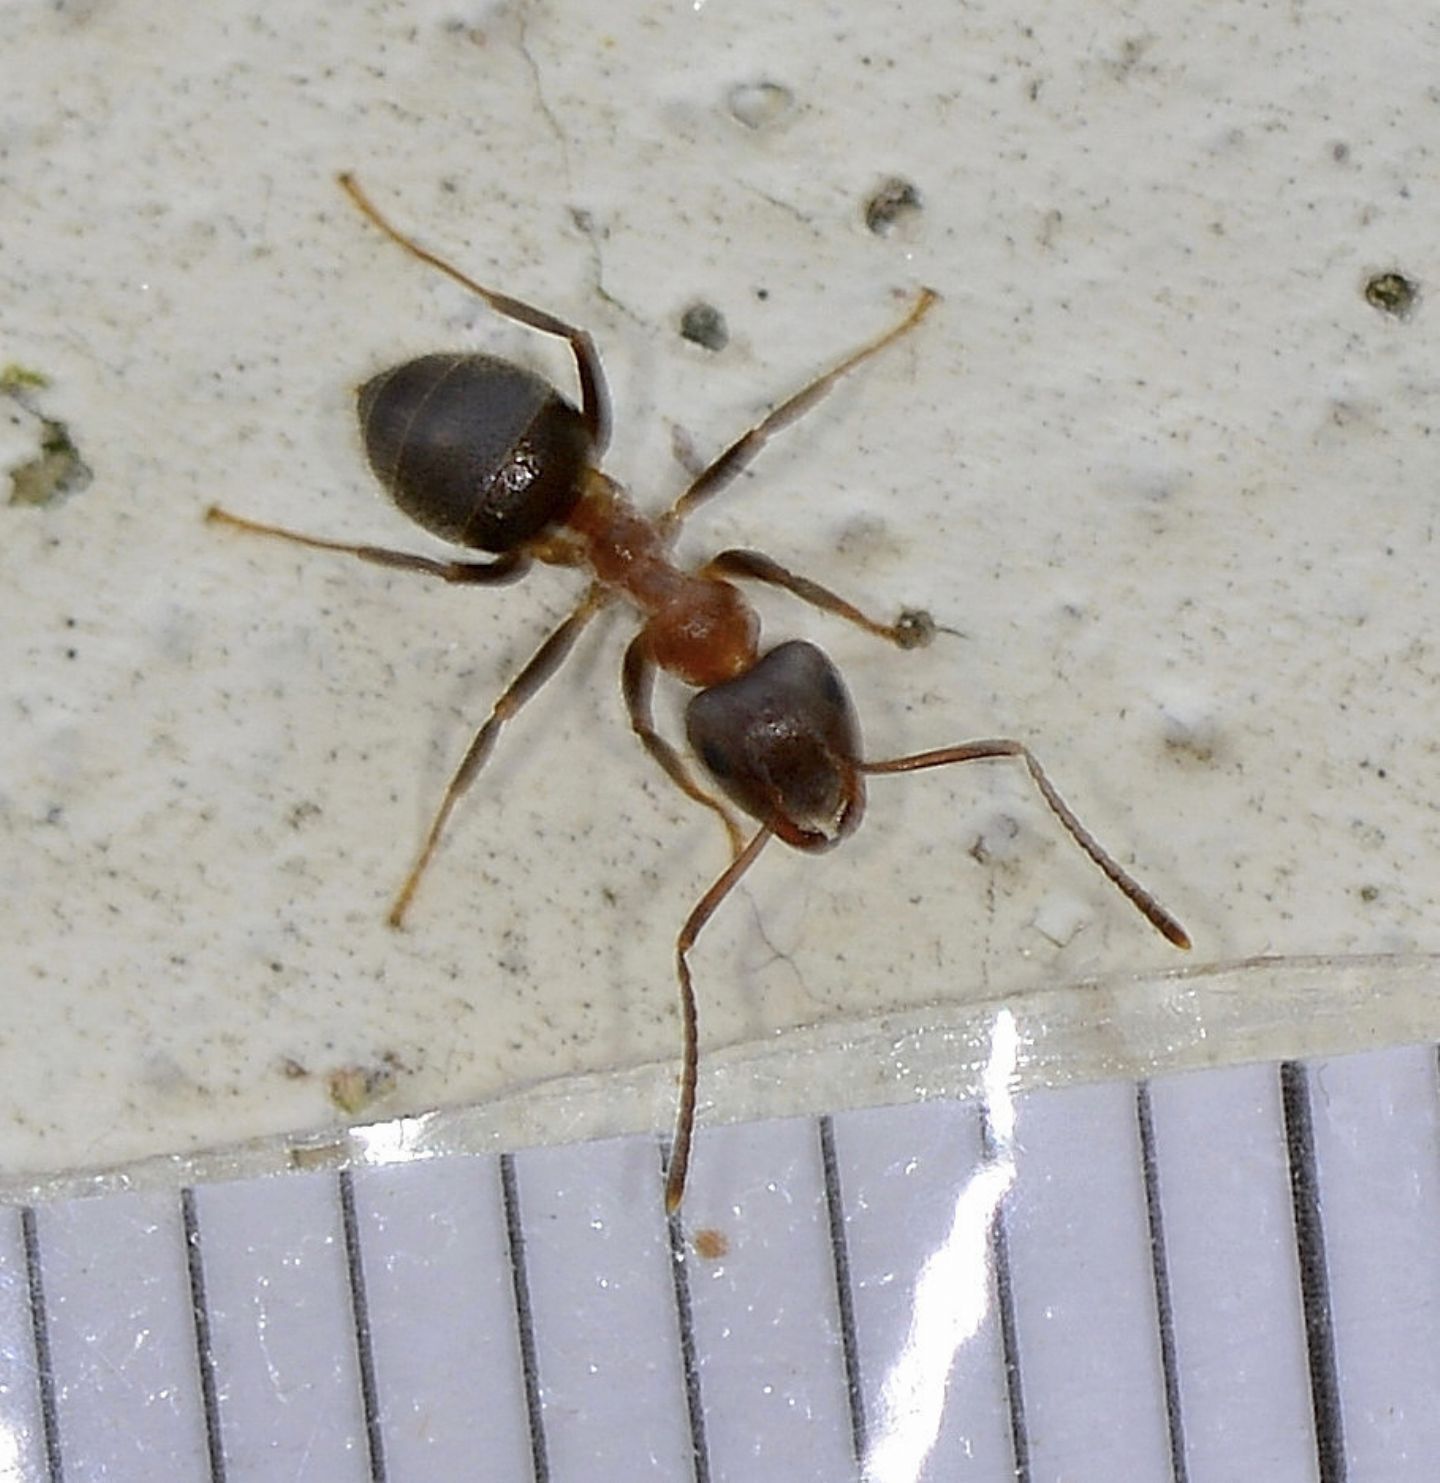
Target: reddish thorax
699,629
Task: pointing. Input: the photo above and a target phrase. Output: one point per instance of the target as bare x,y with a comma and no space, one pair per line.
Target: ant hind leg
594,393
737,457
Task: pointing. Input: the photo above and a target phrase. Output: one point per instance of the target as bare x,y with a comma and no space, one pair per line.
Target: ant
489,456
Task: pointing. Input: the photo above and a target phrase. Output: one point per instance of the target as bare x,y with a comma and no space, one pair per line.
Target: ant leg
543,663
690,1053
912,630
508,568
1126,884
594,394
739,454
638,683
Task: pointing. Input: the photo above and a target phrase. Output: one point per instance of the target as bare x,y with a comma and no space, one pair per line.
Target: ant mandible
491,457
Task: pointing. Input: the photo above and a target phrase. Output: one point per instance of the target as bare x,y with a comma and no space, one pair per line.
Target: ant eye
834,690
716,761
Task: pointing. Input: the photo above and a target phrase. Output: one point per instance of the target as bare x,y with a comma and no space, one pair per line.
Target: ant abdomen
497,455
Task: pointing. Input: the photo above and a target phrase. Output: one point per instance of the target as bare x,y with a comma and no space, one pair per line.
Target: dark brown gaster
494,459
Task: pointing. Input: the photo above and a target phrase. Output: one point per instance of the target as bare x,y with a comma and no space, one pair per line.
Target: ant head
478,451
782,741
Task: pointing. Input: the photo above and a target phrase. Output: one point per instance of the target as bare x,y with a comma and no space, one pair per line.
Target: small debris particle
995,844
711,1245
354,1088
895,202
759,105
1392,293
317,1156
15,378
703,324
914,628
38,454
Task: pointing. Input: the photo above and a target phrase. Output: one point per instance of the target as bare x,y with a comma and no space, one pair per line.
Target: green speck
58,471
15,377
1391,293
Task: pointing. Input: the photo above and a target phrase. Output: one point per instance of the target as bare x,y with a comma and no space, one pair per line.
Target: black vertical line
685,1320
40,1335
1314,1273
200,1324
524,1318
360,1315
1160,1275
844,1293
1005,1306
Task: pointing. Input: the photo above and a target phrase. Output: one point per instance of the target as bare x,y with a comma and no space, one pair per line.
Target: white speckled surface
1155,456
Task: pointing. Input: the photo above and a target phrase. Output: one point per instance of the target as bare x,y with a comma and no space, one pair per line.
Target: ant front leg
542,664
508,568
638,684
912,630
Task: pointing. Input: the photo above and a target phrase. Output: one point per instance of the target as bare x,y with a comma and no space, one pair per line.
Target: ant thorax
699,628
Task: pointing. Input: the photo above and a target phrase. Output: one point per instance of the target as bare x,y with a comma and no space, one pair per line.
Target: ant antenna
1136,894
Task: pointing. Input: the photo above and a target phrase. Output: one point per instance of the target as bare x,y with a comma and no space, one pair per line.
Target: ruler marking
1298,1089
360,1318
844,1293
1160,1273
685,1318
1005,1306
40,1337
524,1318
1314,1273
204,1346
